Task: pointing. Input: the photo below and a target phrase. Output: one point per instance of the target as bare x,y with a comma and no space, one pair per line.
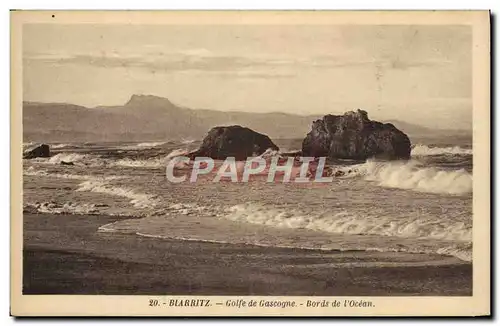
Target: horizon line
315,115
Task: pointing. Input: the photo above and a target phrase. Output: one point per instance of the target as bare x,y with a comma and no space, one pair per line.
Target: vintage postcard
238,163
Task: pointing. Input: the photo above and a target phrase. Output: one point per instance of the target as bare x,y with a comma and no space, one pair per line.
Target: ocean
423,205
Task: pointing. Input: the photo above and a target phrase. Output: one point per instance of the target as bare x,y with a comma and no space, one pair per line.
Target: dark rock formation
42,150
339,173
67,163
354,136
235,141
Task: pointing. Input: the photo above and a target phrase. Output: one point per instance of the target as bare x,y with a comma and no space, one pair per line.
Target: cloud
180,61
404,65
243,74
203,60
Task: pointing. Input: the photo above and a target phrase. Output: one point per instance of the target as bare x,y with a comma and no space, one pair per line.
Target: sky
420,73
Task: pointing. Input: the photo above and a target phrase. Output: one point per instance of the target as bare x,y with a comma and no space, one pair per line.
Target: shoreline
64,254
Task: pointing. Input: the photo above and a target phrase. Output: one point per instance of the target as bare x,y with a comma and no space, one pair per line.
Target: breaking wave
58,146
156,162
424,150
140,146
457,235
89,183
69,157
138,200
150,145
269,153
412,176
350,223
98,161
149,163
40,173
177,152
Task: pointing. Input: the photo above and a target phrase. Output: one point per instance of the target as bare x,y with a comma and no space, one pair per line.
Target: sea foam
144,145
412,176
59,146
424,150
66,208
70,157
137,199
150,145
31,171
435,235
155,162
346,222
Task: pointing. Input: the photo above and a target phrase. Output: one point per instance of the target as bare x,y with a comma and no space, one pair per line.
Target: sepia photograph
182,160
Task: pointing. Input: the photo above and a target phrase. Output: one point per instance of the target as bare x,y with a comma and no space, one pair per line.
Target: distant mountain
146,117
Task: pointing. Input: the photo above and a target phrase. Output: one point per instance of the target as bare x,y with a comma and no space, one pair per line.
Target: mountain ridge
150,117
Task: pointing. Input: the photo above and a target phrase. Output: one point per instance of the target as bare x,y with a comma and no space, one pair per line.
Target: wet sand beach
64,254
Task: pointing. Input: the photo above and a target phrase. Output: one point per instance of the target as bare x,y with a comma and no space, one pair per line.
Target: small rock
67,163
42,150
339,173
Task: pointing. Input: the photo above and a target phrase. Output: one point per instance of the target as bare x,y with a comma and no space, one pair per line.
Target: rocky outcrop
234,141
354,136
67,163
42,150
